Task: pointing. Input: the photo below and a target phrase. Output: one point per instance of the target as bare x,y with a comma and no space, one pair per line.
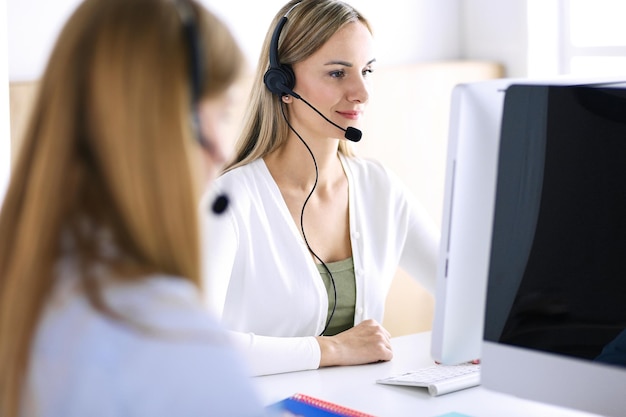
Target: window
578,37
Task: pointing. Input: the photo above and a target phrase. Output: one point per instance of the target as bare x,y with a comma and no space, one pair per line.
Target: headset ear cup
290,78
274,80
279,81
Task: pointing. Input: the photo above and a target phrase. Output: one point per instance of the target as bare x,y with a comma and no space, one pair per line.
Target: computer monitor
474,127
555,316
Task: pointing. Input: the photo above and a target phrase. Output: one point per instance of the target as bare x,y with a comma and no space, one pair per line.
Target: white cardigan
86,364
262,281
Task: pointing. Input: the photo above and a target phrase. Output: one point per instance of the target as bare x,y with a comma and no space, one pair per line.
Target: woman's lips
352,115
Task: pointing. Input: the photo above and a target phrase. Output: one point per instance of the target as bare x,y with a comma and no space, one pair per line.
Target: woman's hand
366,342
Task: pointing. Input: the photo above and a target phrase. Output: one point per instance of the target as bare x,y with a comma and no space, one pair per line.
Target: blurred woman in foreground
100,286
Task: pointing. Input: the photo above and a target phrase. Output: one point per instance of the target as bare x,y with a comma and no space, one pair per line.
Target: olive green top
343,275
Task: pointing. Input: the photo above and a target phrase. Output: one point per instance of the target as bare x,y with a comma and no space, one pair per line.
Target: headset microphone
351,133
220,204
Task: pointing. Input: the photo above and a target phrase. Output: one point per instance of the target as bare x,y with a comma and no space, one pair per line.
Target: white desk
355,387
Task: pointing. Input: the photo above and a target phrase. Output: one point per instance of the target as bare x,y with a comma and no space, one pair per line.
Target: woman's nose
359,90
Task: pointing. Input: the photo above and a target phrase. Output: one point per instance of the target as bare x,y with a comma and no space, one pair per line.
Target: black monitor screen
557,275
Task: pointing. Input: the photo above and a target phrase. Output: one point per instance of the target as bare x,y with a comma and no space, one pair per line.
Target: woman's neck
292,165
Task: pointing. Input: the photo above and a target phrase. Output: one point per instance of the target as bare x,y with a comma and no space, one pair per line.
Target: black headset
196,66
279,78
190,31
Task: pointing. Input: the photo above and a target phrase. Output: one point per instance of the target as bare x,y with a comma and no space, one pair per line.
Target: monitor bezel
469,192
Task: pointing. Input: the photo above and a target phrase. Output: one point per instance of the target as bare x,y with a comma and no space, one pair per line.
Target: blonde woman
314,234
100,306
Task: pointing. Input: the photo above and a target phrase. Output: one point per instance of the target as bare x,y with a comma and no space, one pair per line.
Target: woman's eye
368,71
337,74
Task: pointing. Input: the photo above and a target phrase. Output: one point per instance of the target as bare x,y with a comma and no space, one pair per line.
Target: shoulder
157,303
242,176
166,304
243,185
372,174
184,341
176,352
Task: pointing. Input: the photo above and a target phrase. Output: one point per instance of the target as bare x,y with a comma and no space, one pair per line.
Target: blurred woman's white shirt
84,363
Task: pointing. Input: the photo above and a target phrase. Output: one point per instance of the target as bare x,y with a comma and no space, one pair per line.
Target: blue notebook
305,405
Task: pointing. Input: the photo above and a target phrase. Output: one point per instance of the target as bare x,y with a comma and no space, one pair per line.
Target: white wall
496,30
406,31
33,27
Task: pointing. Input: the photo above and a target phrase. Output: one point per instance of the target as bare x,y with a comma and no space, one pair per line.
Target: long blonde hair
309,26
109,146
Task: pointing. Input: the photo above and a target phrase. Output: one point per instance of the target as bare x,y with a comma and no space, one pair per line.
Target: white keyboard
439,379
